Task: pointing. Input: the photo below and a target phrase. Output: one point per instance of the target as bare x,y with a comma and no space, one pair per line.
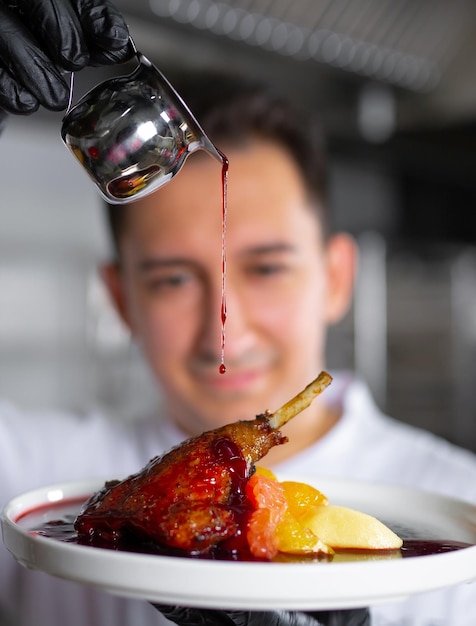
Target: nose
226,333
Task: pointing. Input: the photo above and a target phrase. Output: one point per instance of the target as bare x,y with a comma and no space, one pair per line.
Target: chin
206,408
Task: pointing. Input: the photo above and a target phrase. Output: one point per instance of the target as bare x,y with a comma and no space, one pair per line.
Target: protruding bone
299,402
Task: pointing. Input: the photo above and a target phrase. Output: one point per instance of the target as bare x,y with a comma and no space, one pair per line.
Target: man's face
277,287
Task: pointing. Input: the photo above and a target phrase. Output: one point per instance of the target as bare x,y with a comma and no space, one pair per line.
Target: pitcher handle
135,53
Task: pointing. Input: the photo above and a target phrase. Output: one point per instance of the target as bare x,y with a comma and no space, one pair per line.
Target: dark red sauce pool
60,526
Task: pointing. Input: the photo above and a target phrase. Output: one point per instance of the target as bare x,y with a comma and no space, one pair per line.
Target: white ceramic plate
259,586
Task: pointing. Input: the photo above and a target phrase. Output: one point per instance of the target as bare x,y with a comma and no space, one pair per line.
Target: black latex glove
206,617
39,39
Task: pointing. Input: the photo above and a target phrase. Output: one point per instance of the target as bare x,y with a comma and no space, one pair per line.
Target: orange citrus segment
300,496
267,496
261,535
294,538
264,471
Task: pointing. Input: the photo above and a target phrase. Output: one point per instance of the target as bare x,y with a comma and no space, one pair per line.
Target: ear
341,263
112,279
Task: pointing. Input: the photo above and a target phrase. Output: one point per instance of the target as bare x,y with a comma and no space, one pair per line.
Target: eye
169,281
268,269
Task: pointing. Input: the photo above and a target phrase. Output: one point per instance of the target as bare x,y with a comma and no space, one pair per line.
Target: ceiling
408,63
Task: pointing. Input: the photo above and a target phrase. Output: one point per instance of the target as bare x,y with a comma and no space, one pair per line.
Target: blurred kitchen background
394,82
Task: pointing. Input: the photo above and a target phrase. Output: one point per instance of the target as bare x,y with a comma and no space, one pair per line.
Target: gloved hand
207,617
41,38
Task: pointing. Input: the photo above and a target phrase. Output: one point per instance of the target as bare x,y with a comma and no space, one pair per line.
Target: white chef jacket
42,449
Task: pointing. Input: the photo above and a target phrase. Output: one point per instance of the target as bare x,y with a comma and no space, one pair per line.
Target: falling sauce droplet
224,181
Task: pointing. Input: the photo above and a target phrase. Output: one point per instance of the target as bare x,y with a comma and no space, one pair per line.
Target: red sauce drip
224,182
229,455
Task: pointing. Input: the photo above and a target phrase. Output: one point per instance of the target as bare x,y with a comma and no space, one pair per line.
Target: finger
27,77
106,31
110,57
14,98
58,29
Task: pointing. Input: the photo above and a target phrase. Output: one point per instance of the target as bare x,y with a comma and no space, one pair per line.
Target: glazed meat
192,498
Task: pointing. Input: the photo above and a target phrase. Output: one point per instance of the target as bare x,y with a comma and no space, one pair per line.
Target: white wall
61,344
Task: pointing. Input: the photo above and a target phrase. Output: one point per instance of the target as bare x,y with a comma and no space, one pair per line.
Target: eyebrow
271,248
153,263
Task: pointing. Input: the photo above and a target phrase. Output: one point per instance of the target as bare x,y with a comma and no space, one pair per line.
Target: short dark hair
231,109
